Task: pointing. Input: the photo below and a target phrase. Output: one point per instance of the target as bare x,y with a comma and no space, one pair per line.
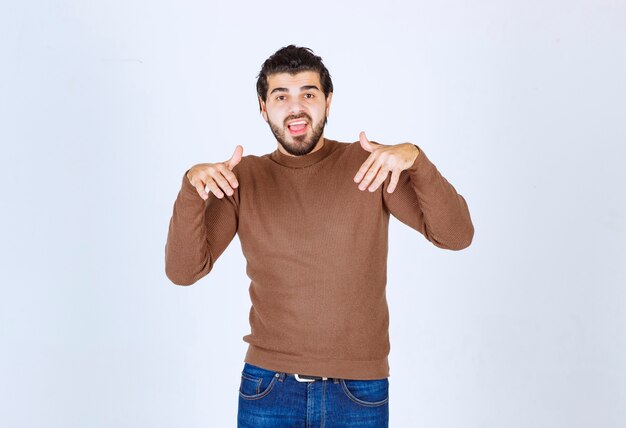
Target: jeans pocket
256,382
366,392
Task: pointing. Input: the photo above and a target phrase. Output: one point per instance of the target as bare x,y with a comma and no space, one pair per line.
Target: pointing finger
235,158
365,143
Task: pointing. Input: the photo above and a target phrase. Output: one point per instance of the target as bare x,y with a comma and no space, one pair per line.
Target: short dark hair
292,59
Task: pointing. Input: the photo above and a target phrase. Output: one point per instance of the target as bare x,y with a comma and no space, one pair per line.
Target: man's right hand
218,177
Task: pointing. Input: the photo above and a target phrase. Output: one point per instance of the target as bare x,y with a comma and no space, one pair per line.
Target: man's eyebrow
302,88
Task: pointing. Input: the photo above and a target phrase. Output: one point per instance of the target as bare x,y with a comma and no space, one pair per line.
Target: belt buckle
304,379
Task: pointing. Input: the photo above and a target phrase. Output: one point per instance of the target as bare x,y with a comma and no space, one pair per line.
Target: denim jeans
270,399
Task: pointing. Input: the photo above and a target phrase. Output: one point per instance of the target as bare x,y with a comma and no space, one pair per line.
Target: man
312,218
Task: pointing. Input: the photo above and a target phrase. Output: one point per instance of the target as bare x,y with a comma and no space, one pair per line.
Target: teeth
297,123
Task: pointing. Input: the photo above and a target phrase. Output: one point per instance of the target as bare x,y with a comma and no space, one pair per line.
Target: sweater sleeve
425,201
199,232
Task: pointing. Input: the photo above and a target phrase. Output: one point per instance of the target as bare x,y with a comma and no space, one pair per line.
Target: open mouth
297,127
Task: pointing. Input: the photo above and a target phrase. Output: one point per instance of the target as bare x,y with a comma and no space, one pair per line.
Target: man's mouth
297,127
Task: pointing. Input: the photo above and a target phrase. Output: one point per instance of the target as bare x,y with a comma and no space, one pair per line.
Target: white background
520,105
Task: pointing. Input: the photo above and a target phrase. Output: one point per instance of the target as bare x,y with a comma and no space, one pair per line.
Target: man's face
296,110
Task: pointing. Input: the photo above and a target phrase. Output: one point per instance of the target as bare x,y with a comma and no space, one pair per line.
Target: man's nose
295,107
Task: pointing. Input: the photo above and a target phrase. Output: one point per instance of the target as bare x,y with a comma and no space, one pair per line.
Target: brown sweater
316,252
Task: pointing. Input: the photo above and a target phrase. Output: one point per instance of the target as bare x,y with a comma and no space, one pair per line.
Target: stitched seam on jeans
361,402
263,394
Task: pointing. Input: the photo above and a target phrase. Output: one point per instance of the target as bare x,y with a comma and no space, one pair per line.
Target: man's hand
381,161
216,176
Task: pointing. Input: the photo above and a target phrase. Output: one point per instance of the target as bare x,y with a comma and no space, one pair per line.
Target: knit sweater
316,252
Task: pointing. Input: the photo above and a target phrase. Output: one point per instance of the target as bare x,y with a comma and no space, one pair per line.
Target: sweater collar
304,160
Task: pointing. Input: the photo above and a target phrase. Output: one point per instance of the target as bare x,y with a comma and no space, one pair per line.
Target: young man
312,218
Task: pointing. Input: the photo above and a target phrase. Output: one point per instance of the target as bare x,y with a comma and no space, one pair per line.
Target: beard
301,145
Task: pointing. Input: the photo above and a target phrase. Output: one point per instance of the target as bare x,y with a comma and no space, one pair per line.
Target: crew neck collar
304,160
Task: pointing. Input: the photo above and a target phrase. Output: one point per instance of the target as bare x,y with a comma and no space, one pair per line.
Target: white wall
104,105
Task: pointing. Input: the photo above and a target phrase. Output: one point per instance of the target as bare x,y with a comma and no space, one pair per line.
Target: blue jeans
270,399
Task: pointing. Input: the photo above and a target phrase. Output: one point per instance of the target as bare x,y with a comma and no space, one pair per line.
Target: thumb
236,157
365,143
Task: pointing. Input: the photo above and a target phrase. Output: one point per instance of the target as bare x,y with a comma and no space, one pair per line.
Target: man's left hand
382,160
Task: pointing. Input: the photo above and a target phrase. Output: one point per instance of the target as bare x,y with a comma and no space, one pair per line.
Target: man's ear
263,108
328,100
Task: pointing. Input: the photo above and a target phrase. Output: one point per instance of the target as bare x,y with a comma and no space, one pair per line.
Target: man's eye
280,97
308,95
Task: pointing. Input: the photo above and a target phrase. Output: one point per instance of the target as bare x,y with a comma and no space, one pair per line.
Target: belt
306,378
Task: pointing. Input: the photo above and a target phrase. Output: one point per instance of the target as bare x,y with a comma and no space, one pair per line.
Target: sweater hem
328,367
